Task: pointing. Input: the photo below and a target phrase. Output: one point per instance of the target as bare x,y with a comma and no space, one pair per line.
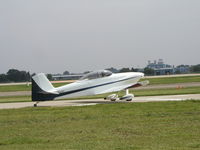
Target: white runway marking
88,102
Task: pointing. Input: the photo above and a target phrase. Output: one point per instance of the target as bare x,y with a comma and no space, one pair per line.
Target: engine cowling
127,97
112,97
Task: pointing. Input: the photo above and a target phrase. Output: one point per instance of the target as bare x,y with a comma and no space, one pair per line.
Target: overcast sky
52,36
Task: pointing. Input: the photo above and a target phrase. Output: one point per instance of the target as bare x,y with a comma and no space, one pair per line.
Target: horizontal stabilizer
142,83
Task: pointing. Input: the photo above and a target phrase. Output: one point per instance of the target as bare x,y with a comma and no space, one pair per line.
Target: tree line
195,69
14,75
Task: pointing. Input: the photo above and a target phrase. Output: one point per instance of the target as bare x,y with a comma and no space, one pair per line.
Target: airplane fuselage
112,83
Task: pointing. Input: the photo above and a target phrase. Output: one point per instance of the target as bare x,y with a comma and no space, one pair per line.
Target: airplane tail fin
42,89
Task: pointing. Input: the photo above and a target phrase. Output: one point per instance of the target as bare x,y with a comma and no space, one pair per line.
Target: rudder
42,89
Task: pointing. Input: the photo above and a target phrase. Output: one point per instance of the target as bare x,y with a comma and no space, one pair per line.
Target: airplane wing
113,89
142,83
119,88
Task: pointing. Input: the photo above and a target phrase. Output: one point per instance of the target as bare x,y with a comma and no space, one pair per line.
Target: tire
128,100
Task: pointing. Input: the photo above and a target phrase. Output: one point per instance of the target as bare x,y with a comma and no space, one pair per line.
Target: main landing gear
128,96
114,97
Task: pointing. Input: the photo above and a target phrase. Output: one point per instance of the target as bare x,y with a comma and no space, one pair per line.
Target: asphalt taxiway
86,102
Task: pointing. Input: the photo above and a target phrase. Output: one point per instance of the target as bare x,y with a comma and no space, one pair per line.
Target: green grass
167,91
130,126
11,99
148,92
173,80
13,88
61,84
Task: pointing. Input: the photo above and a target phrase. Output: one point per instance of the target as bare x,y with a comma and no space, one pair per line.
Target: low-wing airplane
93,83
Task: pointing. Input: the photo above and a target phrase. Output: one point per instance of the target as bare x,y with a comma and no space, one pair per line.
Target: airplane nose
141,75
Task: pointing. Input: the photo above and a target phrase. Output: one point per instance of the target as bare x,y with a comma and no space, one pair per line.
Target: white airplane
97,82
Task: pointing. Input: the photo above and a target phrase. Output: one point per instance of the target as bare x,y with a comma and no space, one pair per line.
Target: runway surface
87,102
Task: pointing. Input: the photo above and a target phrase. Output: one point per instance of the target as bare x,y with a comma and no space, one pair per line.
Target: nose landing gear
112,97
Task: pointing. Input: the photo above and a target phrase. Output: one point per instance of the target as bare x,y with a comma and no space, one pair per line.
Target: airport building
160,68
182,69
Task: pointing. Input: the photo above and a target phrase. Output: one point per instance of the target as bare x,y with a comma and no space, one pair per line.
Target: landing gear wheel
113,99
35,105
128,97
128,100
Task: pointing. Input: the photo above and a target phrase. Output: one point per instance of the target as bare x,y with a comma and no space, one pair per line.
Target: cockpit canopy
96,75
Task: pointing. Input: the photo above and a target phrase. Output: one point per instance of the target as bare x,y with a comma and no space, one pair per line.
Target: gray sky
52,36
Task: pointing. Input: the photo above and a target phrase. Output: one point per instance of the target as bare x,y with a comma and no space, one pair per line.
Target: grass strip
173,80
13,88
130,126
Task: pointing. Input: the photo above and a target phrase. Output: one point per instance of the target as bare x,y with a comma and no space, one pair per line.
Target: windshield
96,75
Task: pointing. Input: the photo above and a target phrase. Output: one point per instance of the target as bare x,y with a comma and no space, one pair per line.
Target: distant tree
114,70
28,76
3,78
134,70
33,74
86,72
23,76
49,76
177,72
148,71
125,70
15,75
195,68
66,73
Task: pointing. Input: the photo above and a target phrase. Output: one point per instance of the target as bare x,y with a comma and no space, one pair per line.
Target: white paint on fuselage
112,83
